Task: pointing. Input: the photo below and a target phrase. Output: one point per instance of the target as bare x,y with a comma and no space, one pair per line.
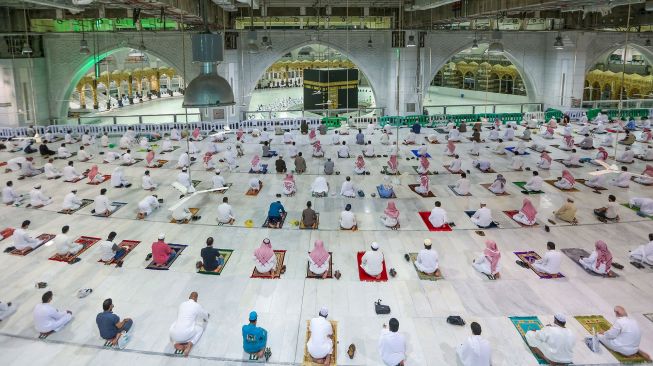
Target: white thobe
475,351
267,266
596,181
500,149
147,204
63,153
438,217
483,265
22,240
82,155
117,179
184,160
643,253
462,186
590,263
71,201
50,171
9,195
147,182
624,336
127,158
101,205
48,319
455,165
454,135
482,217
110,157
497,187
347,220
225,212
166,145
320,185
534,184
516,163
37,198
181,213
104,140
627,156
494,135
347,189
255,184
185,328
563,184
15,163
124,142
623,180
175,135
372,262
544,164
555,343
184,179
343,151
70,174
509,135
550,263
218,181
368,151
65,245
385,139
427,261
392,347
320,345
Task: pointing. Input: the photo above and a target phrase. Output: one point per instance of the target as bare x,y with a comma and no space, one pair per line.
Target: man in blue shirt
255,338
276,214
111,327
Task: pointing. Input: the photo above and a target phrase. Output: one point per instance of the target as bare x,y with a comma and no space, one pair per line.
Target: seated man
646,177
320,343
64,244
438,217
347,219
359,165
644,253
597,181
390,216
320,187
111,328
254,185
300,163
127,158
488,262
109,250
644,204
566,181
499,148
279,165
509,134
516,163
554,343
475,150
427,260
329,167
550,262
184,161
527,214
423,187
368,151
608,212
44,150
63,153
71,202
347,189
629,139
185,332
82,155
50,171
601,156
410,139
319,260
217,180
624,336
623,179
393,165
147,182
499,185
646,155
9,195
147,205
587,143
476,350
372,261
288,185
360,138
22,240
110,157
343,151
628,156
118,179
482,217
212,260
225,212
309,217
287,137
494,134
335,138
482,164
450,148
392,344
526,135
162,254
37,198
265,261
318,152
454,134
28,170
47,319
462,185
599,261
255,338
567,212
183,178
535,183
276,213
455,166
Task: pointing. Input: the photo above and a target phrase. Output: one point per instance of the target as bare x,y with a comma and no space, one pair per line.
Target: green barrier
333,122
614,113
552,113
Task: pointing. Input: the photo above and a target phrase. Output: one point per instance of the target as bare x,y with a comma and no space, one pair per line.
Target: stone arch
603,52
525,77
87,62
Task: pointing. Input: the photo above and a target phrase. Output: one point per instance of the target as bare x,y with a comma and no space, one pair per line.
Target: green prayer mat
226,253
523,325
636,209
521,186
422,275
601,324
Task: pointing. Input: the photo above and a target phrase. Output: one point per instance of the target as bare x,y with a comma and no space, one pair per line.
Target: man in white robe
64,244
456,165
645,204
218,180
348,219
127,158
320,343
225,212
22,240
392,344
82,155
101,204
37,198
554,343
47,319
9,195
147,182
368,151
623,179
476,350
184,161
454,134
185,331
347,189
624,336
628,156
70,174
372,261
462,185
343,150
147,205
63,153
427,260
50,171
71,202
438,216
183,178
644,253
482,217
550,262
535,183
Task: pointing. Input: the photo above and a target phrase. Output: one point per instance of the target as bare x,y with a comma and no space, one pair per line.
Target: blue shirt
417,128
385,193
254,338
106,323
276,208
360,139
631,125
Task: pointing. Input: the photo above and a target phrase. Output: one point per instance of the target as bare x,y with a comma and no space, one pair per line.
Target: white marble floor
151,297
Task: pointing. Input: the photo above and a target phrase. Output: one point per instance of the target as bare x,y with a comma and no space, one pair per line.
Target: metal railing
616,104
135,119
484,108
345,112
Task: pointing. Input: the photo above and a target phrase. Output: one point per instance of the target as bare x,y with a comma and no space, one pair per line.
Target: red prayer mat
86,241
425,217
364,276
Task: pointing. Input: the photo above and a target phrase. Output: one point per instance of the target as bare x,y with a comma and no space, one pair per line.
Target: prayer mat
649,316
78,179
415,152
85,202
136,161
308,360
281,255
576,253
512,213
636,209
283,219
451,171
512,150
226,253
159,164
251,192
451,187
487,186
227,185
44,239
428,172
72,154
523,325
441,131
264,170
422,276
492,225
329,272
552,181
118,205
317,221
425,217
7,232
530,257
128,246
378,189
539,152
385,171
523,190
193,212
178,248
601,324
636,157
485,171
107,177
567,165
429,141
427,195
582,181
364,276
173,149
196,183
85,241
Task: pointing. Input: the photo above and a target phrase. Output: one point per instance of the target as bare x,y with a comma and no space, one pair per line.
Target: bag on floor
381,309
455,320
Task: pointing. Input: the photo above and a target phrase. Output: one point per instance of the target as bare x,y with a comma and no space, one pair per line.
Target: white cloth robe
347,220
534,184
644,204
427,261
643,253
462,186
9,195
438,217
372,262
147,182
550,263
318,270
71,202
475,351
147,205
225,213
482,217
483,265
101,204
590,263
624,336
319,344
392,347
70,174
64,245
320,185
267,266
50,171
48,319
23,240
37,198
185,328
347,189
556,343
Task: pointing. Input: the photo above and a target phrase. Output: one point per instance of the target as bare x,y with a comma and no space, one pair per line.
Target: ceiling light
495,47
411,41
83,47
252,47
26,49
558,45
474,44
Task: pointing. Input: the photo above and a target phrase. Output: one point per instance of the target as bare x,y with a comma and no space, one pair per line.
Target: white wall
23,92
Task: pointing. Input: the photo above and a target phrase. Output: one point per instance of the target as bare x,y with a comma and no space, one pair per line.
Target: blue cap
252,316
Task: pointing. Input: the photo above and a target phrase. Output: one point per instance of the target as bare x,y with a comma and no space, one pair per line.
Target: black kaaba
330,88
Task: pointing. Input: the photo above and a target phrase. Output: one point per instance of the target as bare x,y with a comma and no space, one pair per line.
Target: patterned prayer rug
226,254
422,275
530,257
281,255
425,218
178,248
85,241
601,324
523,325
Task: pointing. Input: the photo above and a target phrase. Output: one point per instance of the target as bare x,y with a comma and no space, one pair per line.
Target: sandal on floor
393,273
283,269
267,354
337,275
407,257
351,351
480,232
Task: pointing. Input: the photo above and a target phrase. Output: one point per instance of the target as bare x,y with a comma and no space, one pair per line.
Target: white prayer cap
162,236
375,245
217,171
560,317
324,311
427,242
184,169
